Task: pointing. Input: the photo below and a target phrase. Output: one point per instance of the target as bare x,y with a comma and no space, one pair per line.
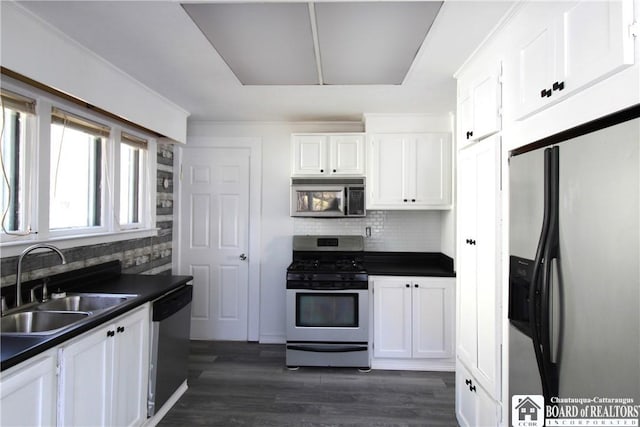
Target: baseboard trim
273,339
447,365
153,421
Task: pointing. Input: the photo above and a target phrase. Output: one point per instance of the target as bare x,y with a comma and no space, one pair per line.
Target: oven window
326,310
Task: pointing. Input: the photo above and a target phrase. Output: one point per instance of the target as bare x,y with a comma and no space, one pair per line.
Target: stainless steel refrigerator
574,279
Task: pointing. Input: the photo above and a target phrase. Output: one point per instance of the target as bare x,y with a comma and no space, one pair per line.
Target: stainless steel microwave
328,197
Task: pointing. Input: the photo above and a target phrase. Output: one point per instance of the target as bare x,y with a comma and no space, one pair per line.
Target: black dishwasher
170,328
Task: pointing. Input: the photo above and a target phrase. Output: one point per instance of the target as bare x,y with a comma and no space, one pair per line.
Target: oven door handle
330,288
327,349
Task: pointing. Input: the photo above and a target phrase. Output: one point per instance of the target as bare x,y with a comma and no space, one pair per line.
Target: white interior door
214,242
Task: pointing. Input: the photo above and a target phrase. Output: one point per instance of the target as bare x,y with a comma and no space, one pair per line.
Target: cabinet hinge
634,29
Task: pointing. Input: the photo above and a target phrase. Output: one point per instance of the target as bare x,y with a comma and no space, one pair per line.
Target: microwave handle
346,201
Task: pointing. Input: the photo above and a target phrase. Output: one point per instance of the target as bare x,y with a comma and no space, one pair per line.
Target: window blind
18,102
76,122
134,141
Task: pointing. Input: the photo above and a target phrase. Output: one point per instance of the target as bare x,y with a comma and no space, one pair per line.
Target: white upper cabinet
479,106
568,47
409,171
328,154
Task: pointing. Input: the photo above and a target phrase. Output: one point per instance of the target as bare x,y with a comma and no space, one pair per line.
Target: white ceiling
316,43
159,45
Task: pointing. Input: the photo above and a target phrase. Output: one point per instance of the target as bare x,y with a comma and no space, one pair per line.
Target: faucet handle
45,291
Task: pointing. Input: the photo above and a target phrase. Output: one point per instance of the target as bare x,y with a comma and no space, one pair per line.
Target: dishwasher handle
172,303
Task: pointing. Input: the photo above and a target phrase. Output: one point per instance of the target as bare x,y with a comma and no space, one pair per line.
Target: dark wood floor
247,384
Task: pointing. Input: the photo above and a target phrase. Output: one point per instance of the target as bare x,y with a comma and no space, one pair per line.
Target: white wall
36,50
392,231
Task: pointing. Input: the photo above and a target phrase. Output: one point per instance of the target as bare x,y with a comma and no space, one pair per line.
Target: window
17,112
76,172
98,183
132,155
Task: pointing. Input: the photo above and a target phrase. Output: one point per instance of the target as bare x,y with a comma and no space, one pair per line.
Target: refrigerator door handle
538,265
549,375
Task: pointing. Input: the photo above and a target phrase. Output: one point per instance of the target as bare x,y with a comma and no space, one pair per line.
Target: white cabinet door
346,154
433,317
474,407
131,369
537,58
569,47
479,107
413,317
386,171
85,387
104,374
392,318
328,154
467,345
430,171
487,256
409,171
309,154
486,104
28,392
597,40
479,314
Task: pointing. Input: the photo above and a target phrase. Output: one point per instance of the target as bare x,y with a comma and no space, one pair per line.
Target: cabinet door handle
416,286
473,242
321,170
405,200
472,388
558,86
413,200
545,93
334,171
110,333
407,285
120,329
467,382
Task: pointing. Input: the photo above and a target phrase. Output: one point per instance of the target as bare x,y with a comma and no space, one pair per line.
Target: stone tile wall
149,255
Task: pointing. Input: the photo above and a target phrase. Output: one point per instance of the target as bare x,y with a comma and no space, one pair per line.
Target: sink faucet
19,273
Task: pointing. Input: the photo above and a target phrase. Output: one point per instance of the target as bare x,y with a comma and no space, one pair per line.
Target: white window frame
37,173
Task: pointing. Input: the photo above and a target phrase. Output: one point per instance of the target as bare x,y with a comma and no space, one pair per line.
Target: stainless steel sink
85,302
39,322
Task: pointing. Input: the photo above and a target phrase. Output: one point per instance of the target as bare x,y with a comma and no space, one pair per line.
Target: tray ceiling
330,43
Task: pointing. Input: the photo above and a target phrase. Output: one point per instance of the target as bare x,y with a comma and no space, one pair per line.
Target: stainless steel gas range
327,303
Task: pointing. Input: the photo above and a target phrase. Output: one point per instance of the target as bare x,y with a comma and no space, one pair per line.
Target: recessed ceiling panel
371,42
263,43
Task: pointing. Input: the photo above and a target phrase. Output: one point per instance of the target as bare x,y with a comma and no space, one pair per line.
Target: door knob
243,257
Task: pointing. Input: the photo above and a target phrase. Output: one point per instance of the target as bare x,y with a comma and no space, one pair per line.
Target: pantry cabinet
479,291
474,406
409,171
328,154
479,106
413,317
104,374
28,392
569,46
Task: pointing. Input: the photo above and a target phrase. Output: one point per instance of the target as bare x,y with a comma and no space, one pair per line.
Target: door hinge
634,29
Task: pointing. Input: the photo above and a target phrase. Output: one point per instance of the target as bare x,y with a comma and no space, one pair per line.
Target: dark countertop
16,349
433,264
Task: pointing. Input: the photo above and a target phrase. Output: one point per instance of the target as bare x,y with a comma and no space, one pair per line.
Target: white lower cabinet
28,392
474,406
104,374
413,322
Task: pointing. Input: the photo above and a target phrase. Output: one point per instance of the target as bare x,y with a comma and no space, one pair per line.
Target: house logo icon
527,411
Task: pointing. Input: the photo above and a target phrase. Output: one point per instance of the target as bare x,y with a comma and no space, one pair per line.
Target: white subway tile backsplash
399,231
